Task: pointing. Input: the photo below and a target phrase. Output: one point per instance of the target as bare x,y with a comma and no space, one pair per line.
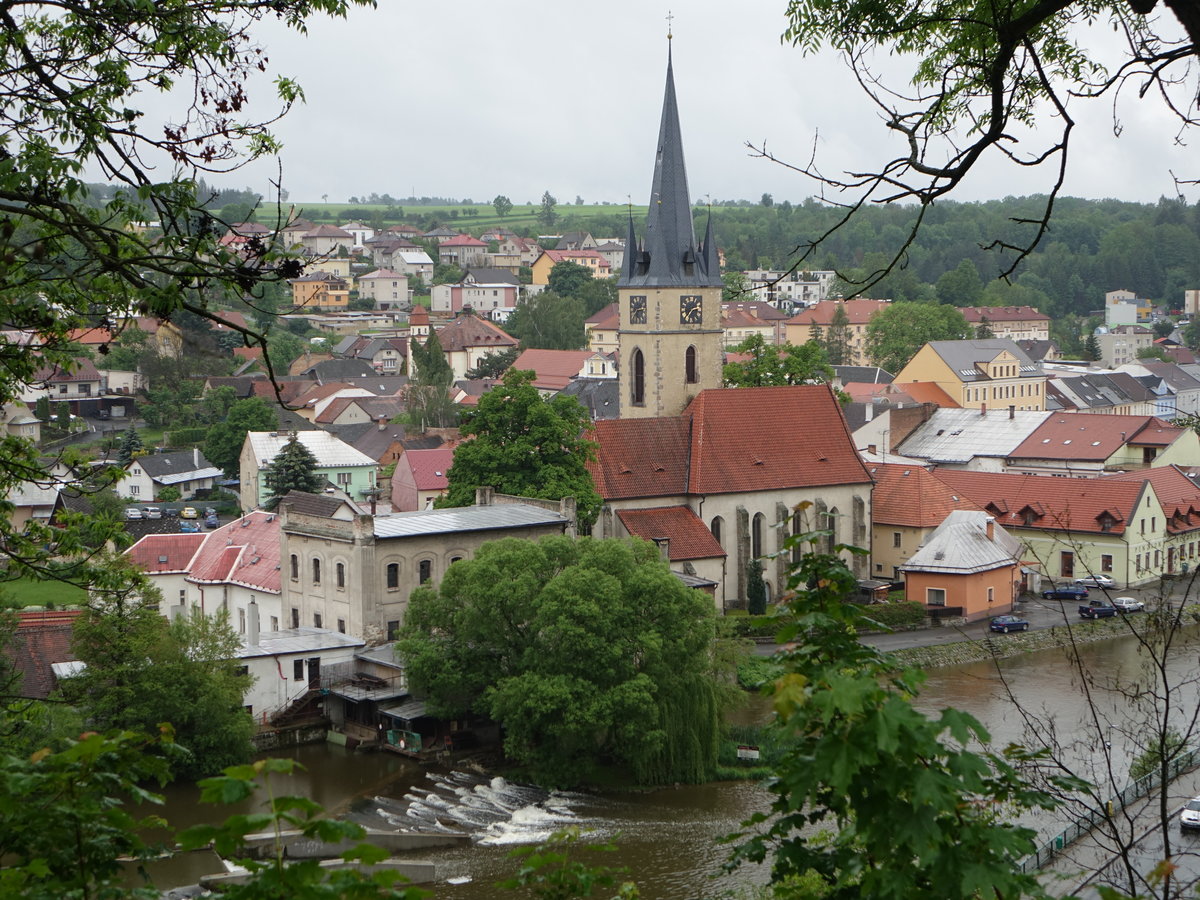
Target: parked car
1066,592
1128,604
171,512
209,511
1006,624
1189,816
133,512
211,521
188,527
152,512
1097,609
189,512
1097,581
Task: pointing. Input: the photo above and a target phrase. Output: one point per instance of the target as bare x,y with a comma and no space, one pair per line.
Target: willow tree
588,653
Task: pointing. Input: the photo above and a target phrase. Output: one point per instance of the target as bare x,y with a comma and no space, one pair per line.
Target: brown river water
668,839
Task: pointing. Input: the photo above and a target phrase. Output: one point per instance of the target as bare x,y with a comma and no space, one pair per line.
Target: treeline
1091,247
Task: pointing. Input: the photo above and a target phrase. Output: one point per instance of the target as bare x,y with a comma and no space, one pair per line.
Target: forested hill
1093,246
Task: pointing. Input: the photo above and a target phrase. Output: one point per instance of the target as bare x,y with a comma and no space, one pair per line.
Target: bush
186,437
755,671
747,626
908,614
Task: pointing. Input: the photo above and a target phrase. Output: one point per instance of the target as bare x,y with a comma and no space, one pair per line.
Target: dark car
211,521
1005,624
1066,592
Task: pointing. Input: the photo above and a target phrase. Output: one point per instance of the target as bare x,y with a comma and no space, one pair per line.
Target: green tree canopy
587,652
836,341
494,364
777,364
547,214
523,444
899,330
502,205
140,672
223,443
294,468
428,398
548,322
961,286
568,278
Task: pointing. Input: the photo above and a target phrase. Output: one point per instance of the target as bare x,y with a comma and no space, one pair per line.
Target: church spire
669,255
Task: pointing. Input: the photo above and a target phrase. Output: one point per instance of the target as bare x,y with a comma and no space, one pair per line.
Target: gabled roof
309,504
473,331
329,451
720,445
862,375
758,309
688,536
172,468
1074,505
1175,377
82,370
911,496
964,357
929,392
41,640
601,396
463,240
487,275
1177,492
380,274
571,255
466,518
1090,438
553,368
859,312
961,546
159,554
609,317
328,370
328,231
429,467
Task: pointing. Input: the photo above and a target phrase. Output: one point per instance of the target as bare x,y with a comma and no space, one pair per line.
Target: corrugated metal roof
959,435
175,478
329,451
960,545
466,518
405,709
298,640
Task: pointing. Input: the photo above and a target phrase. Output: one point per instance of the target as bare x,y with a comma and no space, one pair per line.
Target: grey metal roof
670,256
329,451
182,464
959,435
465,518
960,546
406,708
863,375
384,655
297,640
962,356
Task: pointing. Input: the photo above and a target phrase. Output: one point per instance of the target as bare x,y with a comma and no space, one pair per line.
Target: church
717,477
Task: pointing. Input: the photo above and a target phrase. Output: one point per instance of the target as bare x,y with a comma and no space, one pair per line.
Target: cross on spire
669,18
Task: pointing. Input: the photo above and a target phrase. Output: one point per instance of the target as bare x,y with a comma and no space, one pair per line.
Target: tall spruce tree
293,469
131,445
837,337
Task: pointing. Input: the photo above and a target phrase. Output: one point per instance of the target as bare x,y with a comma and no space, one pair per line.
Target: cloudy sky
475,99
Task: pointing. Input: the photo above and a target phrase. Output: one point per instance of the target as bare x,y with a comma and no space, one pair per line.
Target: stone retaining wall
1000,646
276,739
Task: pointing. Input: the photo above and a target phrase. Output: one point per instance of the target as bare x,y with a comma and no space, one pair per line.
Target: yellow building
320,290
992,373
589,259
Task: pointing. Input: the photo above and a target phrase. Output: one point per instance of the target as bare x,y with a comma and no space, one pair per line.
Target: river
668,839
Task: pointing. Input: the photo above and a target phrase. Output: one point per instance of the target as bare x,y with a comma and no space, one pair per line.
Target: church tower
669,292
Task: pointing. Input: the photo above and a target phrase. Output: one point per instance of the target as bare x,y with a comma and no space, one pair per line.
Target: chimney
664,548
990,527
483,496
196,457
252,624
871,449
983,410
1012,412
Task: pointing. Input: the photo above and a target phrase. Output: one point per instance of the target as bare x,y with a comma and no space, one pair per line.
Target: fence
1045,854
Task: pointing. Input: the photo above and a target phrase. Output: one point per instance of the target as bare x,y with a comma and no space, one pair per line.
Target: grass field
28,592
521,218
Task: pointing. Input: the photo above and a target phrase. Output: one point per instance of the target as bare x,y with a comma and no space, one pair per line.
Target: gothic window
690,373
638,379
756,535
717,523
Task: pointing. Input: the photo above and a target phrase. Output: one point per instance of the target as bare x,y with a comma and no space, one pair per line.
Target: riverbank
1002,646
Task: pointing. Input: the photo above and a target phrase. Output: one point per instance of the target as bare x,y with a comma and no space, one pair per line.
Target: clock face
691,309
637,310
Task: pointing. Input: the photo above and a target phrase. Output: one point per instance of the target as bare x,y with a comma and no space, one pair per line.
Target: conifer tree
131,445
293,469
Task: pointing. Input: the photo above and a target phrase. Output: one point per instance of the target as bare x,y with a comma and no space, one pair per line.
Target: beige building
801,328
340,565
1120,344
1017,323
994,373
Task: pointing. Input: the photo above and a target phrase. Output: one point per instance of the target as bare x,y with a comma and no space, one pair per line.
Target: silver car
1189,817
1128,604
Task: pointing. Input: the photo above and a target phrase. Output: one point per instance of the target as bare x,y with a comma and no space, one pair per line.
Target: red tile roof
472,331
570,255
1178,494
1076,505
858,311
244,552
730,441
429,467
159,553
554,368
688,537
463,240
912,496
41,639
608,317
1087,437
928,392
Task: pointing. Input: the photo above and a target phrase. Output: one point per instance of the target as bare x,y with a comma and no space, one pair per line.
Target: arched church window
690,373
716,528
756,535
638,381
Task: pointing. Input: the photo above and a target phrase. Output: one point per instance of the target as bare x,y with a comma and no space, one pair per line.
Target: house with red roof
1017,323
1082,445
600,329
907,504
468,339
752,465
420,478
554,369
40,647
462,250
592,260
799,328
1073,527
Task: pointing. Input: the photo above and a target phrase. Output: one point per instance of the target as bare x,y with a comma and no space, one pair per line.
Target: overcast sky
475,99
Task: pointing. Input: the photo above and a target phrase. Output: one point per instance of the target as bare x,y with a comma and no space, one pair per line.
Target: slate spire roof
669,256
